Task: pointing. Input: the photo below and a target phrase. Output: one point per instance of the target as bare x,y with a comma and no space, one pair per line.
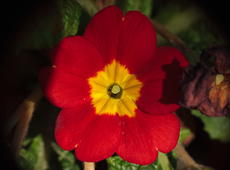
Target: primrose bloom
116,90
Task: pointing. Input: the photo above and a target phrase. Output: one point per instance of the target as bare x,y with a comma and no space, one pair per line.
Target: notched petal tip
137,41
103,31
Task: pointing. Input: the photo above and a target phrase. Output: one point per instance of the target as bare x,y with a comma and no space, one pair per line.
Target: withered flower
206,86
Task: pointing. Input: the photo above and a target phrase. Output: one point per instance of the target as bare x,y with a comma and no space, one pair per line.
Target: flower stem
89,166
185,161
174,40
19,122
89,6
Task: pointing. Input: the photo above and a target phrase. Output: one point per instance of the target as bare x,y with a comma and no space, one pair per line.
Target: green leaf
66,158
116,163
34,157
184,133
162,163
144,6
172,157
70,14
49,23
217,127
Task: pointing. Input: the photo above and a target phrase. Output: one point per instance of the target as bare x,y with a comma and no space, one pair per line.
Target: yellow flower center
115,91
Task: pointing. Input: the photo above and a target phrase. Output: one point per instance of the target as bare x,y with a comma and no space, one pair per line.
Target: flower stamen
115,91
219,79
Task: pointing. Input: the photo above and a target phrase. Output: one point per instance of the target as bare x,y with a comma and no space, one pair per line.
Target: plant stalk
89,165
18,124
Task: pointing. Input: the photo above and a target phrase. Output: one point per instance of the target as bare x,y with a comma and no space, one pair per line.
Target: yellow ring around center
122,80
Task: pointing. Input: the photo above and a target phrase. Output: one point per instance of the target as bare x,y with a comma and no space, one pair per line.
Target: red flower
111,85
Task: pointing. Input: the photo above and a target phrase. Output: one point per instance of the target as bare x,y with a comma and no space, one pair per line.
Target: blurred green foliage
217,127
49,24
145,6
70,16
32,155
184,133
192,25
66,158
163,162
116,163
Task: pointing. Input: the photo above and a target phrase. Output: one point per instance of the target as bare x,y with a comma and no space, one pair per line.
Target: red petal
137,41
166,60
151,93
161,90
64,89
158,108
167,55
135,145
103,31
171,61
164,129
151,99
71,125
78,56
101,139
